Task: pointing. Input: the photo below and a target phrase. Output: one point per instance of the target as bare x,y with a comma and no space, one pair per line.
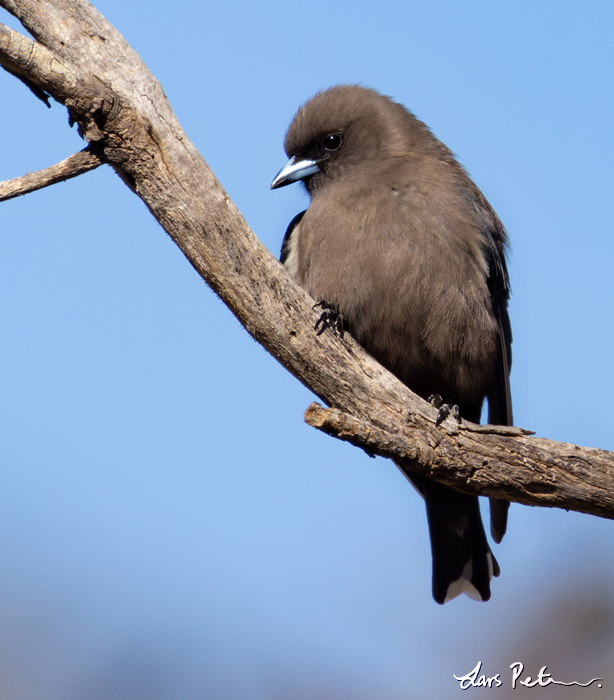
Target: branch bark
538,471
84,63
77,164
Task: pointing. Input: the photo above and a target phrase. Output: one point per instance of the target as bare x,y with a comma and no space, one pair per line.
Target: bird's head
344,128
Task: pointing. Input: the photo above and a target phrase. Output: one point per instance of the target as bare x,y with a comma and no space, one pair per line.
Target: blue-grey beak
293,171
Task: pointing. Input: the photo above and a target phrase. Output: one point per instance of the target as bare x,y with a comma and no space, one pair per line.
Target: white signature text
474,679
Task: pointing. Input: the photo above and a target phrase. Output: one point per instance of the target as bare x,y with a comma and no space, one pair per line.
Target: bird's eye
332,142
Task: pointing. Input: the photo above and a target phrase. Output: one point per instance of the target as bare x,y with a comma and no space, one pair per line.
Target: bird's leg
445,409
329,318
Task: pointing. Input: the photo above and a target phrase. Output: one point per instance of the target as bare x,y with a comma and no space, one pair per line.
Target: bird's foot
444,409
329,318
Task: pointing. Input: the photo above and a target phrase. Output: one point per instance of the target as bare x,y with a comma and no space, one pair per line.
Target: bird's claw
445,409
436,400
329,318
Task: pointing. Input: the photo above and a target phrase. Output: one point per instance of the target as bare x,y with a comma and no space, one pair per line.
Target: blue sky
169,526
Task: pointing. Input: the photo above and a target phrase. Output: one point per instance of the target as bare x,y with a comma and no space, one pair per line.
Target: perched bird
400,248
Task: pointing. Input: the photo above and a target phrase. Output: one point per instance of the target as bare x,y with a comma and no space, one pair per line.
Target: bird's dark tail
462,560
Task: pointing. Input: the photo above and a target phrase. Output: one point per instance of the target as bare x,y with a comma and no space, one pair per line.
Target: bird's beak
293,171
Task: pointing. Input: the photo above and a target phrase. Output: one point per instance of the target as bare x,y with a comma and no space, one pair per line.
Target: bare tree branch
541,472
33,62
36,91
84,63
70,167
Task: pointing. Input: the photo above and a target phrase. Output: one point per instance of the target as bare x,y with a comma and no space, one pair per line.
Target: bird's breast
417,304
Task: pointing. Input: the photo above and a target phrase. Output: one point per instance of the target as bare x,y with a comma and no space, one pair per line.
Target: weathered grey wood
538,471
84,63
74,165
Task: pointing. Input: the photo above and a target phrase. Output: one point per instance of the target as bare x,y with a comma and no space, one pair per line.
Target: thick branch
33,62
533,471
74,165
80,60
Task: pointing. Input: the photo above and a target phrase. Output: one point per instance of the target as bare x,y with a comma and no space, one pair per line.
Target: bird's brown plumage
399,240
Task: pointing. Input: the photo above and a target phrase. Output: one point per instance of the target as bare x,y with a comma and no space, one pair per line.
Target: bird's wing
495,239
499,396
286,246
